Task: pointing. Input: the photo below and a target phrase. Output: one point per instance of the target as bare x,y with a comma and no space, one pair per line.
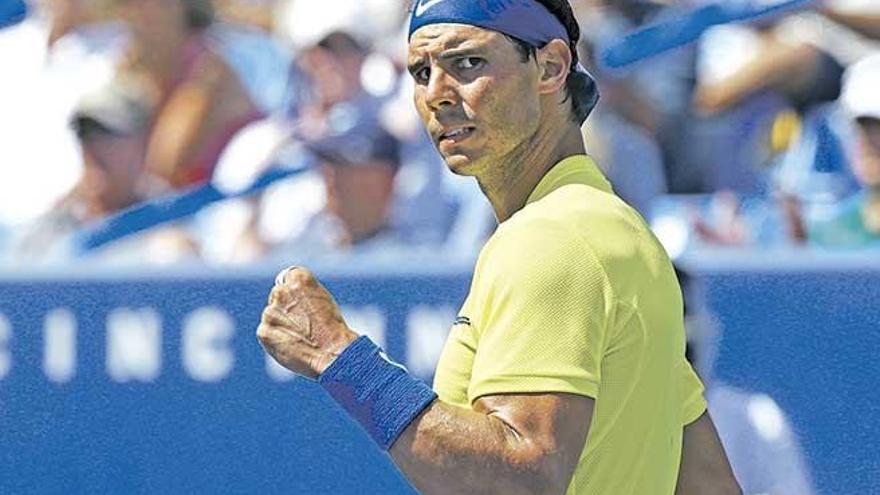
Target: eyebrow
460,52
452,53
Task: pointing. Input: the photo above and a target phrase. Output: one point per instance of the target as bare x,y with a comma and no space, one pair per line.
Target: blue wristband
379,393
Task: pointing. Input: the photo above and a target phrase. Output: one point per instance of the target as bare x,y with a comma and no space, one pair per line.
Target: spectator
346,202
621,137
60,53
343,205
358,167
651,97
110,125
760,441
802,56
623,131
855,221
182,79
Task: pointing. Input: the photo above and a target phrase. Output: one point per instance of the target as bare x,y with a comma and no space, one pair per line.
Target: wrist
346,339
375,391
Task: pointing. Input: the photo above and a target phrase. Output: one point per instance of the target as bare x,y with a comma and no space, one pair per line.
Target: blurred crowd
764,132
238,131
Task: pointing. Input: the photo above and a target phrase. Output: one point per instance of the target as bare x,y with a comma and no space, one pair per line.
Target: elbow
541,473
734,489
728,485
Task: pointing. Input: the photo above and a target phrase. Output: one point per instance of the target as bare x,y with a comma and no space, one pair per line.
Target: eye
470,63
421,75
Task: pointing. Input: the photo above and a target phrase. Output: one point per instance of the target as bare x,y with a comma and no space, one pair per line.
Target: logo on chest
462,320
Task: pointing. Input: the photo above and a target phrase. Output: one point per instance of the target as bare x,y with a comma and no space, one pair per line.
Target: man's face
359,196
867,164
478,100
114,162
152,19
336,78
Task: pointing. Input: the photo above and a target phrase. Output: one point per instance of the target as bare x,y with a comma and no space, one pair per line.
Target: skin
866,168
511,443
189,115
65,16
336,76
112,164
782,66
704,469
360,196
868,24
467,77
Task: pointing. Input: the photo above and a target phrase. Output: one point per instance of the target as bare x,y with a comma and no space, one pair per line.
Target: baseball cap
115,109
861,88
354,136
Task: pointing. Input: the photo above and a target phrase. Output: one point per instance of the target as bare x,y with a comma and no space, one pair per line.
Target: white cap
306,22
861,88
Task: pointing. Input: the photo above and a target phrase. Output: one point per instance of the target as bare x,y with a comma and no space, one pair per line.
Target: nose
440,91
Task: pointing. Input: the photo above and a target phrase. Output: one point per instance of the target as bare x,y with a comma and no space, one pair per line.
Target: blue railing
666,35
177,206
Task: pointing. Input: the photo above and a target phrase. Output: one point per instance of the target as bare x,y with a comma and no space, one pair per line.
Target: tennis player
565,370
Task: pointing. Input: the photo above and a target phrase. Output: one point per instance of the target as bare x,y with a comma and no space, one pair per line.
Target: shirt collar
577,169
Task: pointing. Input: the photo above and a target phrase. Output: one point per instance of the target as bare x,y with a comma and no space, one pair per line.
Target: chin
461,164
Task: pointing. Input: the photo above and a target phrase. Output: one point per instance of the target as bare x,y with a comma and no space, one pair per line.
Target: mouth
457,135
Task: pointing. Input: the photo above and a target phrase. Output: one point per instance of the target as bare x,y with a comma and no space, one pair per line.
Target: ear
554,62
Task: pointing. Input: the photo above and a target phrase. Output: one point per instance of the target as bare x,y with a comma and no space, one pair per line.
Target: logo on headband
424,5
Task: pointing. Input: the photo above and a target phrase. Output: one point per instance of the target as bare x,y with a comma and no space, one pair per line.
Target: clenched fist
302,327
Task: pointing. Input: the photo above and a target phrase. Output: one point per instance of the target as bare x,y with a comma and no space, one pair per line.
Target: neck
163,53
508,186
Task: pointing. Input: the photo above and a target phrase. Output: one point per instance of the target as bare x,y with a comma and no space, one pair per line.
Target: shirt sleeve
694,402
543,298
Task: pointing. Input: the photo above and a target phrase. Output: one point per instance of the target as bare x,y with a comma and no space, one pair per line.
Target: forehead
436,38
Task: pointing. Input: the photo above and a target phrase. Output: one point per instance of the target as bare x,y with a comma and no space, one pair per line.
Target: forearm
866,24
451,450
780,62
511,443
705,469
780,67
178,128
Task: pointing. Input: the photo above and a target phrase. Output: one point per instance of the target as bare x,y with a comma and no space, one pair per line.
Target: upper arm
704,469
542,314
184,119
548,432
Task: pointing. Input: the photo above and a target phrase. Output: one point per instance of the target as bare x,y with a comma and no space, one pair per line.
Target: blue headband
526,20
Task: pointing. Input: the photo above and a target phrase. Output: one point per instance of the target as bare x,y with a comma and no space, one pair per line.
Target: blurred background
160,160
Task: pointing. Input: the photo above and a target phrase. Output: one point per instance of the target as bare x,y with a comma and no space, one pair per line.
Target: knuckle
279,296
302,276
266,315
273,295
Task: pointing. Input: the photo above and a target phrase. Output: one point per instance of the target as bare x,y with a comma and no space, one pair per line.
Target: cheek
420,105
508,107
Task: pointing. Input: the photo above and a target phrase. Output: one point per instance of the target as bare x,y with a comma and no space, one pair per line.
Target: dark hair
342,43
579,87
199,13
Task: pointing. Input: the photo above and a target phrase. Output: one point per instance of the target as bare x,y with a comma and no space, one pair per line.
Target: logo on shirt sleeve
462,320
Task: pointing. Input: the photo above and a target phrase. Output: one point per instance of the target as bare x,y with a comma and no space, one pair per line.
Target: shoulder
579,228
598,220
534,254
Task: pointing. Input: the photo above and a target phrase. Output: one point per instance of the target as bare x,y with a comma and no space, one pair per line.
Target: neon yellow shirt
574,294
